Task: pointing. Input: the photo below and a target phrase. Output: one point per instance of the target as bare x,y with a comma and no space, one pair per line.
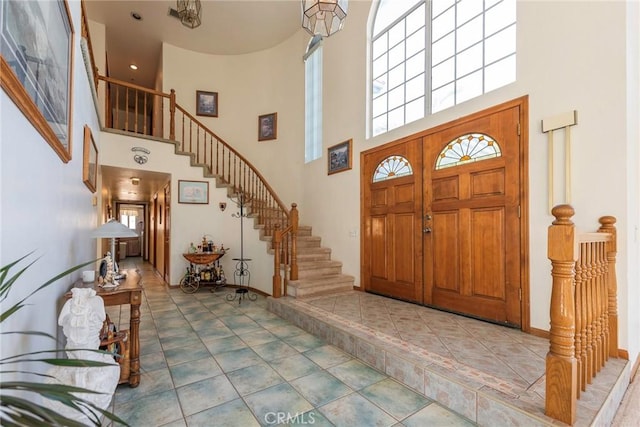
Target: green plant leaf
17,306
15,408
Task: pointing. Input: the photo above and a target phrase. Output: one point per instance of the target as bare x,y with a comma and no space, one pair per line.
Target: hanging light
189,13
323,17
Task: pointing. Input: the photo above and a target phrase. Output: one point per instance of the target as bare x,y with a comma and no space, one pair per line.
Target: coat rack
242,275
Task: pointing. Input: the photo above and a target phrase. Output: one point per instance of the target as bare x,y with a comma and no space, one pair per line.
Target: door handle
426,230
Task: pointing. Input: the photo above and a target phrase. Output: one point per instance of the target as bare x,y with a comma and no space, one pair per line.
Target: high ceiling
229,27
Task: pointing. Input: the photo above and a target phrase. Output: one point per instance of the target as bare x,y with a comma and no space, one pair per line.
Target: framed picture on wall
339,157
206,103
195,192
268,127
36,63
89,161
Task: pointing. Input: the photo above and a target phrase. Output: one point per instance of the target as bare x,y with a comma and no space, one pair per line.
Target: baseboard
634,370
255,291
232,286
540,333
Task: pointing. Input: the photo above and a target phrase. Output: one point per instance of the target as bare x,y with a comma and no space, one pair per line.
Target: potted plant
17,405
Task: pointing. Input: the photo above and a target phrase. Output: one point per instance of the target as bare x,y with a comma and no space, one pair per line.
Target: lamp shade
323,17
113,229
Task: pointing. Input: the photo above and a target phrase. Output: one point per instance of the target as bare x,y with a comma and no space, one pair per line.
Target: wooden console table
129,292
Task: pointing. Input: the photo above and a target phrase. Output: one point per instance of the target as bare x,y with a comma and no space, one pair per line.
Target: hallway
209,362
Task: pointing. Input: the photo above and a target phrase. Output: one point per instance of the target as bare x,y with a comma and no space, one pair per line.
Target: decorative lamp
113,229
323,17
189,12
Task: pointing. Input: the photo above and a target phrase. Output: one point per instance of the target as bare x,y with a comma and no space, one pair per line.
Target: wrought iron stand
242,275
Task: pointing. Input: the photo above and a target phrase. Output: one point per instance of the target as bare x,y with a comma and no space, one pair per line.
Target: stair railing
143,111
285,247
584,314
84,31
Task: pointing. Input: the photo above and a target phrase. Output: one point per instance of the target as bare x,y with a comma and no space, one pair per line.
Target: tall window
313,100
431,55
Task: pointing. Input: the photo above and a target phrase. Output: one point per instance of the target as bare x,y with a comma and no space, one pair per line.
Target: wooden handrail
133,86
282,257
87,36
583,310
236,153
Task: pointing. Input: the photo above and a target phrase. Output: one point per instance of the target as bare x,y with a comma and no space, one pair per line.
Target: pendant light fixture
323,17
189,12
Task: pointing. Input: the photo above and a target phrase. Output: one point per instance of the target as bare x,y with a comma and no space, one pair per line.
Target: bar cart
204,270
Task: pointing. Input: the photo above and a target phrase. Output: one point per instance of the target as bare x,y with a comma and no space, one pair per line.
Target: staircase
318,274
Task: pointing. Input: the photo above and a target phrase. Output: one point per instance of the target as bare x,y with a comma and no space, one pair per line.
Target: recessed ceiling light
136,16
133,66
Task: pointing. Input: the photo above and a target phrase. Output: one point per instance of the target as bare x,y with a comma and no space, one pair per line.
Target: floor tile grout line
155,319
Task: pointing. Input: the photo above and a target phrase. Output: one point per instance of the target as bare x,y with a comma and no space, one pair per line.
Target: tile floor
210,362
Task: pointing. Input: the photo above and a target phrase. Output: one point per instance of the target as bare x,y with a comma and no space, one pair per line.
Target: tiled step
480,396
310,287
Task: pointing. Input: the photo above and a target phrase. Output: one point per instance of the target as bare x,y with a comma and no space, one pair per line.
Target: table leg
134,346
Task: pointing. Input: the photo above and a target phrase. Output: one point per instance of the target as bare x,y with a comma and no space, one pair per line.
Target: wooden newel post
293,274
607,226
172,115
562,374
277,279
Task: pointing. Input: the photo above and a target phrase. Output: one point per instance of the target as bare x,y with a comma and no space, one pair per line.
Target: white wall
249,86
563,64
632,248
45,207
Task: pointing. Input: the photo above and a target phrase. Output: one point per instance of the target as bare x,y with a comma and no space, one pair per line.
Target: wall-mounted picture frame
89,161
206,103
339,157
194,192
268,127
36,66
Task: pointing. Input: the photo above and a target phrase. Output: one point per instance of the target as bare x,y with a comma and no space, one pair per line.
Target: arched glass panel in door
392,167
468,148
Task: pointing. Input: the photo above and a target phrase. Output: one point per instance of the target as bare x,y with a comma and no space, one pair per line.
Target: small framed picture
195,192
89,161
268,127
339,157
206,103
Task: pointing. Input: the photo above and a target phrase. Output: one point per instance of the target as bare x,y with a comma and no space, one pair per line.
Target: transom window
392,167
429,55
468,148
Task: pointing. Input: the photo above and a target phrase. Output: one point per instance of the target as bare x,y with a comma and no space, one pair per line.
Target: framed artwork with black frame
36,66
206,103
339,157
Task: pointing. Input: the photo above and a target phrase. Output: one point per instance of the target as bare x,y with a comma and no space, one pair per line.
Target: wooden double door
442,217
